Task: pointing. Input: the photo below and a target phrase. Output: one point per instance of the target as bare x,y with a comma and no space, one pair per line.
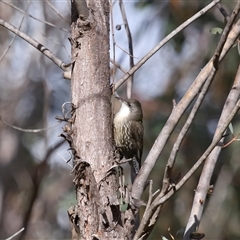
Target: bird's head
130,110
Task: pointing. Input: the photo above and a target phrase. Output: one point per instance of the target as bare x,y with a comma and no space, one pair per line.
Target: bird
128,133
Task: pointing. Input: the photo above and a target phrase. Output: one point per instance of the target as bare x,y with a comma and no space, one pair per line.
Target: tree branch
40,171
25,13
176,114
205,178
172,121
160,200
65,67
224,35
217,137
130,48
56,11
182,134
118,66
204,181
113,45
169,166
196,106
163,42
15,234
10,44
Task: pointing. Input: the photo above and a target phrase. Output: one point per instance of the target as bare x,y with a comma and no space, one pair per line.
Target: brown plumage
128,132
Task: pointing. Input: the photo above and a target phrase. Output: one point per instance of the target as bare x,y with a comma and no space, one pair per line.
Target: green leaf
164,238
123,207
216,30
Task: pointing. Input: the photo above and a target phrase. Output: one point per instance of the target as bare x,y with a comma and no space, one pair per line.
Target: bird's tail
135,167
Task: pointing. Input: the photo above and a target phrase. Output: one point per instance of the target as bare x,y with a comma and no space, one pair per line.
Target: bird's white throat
122,113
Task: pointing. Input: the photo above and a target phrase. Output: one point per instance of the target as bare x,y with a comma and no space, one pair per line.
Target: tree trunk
97,214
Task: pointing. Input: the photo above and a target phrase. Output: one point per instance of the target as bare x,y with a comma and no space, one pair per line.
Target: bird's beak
119,99
116,103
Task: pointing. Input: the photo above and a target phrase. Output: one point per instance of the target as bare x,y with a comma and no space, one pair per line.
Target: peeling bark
97,214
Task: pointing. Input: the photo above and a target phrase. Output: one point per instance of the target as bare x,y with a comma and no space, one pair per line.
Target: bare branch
231,141
130,48
113,44
15,234
56,11
206,175
36,44
196,106
143,226
164,41
225,35
25,13
183,132
58,43
223,12
27,130
145,218
160,200
217,137
10,44
40,171
128,53
176,114
204,181
118,65
147,223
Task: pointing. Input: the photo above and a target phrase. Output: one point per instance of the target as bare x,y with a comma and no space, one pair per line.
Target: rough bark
97,214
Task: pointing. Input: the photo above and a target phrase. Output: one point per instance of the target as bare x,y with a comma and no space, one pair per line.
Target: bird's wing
137,135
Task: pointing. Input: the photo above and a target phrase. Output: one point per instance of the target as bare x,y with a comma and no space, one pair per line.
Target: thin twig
183,132
145,216
150,197
160,200
27,130
10,44
42,21
224,35
15,234
231,141
219,133
36,44
58,43
175,116
118,66
38,175
113,43
56,11
130,48
223,12
128,53
164,135
209,166
164,41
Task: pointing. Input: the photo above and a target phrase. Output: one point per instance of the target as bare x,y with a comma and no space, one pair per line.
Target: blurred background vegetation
39,191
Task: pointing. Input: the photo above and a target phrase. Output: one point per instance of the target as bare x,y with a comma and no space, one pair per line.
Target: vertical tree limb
97,214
